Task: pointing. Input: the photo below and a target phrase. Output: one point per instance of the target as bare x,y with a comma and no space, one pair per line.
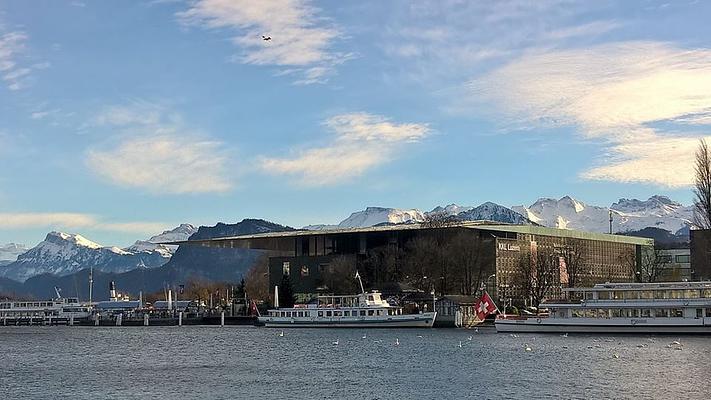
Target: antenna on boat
276,296
91,282
361,282
59,292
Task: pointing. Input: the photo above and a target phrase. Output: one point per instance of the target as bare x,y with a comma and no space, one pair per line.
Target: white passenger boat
365,310
672,307
63,309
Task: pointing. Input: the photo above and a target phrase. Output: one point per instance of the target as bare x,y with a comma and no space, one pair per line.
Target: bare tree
572,257
702,189
538,274
649,267
339,276
257,280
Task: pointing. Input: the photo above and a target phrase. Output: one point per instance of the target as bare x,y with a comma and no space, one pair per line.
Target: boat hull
425,320
545,325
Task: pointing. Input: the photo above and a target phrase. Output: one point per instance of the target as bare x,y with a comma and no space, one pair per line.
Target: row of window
6,306
652,294
634,313
338,313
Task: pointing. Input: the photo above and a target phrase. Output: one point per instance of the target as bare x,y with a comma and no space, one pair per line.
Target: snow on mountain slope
62,254
179,233
492,212
449,210
10,251
372,216
628,215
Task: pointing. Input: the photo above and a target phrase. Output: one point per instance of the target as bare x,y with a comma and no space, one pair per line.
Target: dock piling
180,318
222,319
145,319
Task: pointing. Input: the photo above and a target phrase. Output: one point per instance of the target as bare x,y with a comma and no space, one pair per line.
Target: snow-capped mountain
372,216
182,232
449,210
492,212
628,215
62,254
10,251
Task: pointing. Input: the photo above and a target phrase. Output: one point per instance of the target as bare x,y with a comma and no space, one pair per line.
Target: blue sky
121,119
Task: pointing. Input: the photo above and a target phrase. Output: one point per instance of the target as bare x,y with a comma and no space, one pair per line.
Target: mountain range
64,259
63,254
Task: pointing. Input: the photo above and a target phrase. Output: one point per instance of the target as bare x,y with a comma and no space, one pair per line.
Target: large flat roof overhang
275,240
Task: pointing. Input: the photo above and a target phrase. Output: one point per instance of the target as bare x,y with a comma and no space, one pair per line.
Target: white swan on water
335,343
281,334
397,342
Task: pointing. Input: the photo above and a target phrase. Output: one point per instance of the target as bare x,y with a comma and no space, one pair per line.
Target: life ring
538,320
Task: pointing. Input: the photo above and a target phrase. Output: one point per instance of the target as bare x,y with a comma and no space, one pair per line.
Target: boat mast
361,282
91,282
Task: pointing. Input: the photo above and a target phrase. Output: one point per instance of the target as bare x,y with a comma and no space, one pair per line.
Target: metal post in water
180,318
145,319
71,320
222,319
96,319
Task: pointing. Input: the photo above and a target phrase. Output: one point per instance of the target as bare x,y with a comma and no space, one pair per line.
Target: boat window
706,293
283,314
328,313
708,312
699,312
677,313
320,313
646,294
589,313
603,295
337,313
370,298
631,295
692,294
661,294
362,313
285,268
577,313
661,313
370,313
634,313
646,313
602,313
677,294
588,295
616,313
346,313
617,295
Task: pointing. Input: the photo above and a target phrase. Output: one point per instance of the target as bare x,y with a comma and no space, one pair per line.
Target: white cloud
478,34
157,153
637,98
300,39
63,220
362,141
12,72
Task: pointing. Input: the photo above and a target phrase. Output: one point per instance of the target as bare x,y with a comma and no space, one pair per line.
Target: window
660,313
337,313
362,313
683,258
285,268
677,313
699,313
370,313
320,313
603,295
328,313
304,271
708,312
346,313
646,313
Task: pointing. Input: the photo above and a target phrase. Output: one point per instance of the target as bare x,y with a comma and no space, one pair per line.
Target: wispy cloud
639,99
14,69
63,220
155,152
361,141
301,39
479,34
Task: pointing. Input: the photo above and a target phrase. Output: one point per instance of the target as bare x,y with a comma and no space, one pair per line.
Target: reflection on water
247,362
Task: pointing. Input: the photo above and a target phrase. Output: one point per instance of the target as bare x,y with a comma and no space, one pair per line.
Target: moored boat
365,310
670,307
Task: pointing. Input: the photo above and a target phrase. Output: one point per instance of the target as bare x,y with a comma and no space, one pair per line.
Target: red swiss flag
484,306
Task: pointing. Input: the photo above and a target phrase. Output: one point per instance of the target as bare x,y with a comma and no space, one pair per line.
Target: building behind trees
522,263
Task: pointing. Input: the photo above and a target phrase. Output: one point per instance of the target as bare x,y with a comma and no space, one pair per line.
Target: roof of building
480,225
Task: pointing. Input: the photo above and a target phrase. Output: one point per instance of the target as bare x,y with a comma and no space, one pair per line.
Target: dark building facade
472,256
700,254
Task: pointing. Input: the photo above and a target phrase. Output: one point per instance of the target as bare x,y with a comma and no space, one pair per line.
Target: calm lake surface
246,362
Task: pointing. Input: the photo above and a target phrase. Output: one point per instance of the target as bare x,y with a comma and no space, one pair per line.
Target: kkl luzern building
509,261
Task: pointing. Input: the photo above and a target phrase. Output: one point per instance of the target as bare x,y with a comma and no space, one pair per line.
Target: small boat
669,307
365,310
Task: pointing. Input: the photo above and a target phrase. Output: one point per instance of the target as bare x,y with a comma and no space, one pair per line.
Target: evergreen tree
286,293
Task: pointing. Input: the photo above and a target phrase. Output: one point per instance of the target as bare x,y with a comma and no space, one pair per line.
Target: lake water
246,362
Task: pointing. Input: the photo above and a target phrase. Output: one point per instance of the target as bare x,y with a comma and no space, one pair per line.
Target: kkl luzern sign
509,247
